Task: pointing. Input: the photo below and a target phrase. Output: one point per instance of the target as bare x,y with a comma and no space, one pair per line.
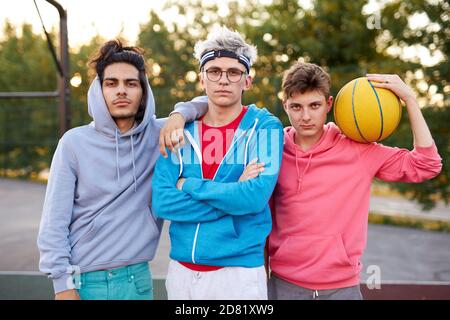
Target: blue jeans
133,282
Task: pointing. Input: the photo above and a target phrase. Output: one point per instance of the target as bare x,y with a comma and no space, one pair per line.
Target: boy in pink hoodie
321,201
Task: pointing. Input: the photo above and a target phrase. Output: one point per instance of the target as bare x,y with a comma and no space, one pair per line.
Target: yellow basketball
365,113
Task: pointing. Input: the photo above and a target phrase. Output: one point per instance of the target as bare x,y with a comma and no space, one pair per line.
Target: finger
251,176
178,138
379,75
253,172
381,85
174,144
168,142
182,139
251,163
252,168
256,172
377,78
162,146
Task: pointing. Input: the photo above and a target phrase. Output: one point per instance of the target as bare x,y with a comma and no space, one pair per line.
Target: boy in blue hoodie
98,231
219,215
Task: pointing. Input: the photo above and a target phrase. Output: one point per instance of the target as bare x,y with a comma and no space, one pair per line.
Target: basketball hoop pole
63,80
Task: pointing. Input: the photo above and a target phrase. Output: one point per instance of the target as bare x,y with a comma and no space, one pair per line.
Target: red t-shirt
215,142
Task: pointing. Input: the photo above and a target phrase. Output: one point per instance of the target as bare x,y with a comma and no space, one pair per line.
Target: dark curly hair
114,51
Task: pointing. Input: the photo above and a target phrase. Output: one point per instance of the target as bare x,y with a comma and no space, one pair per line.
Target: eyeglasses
215,74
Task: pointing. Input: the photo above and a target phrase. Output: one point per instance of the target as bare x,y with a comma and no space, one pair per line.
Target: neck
219,116
306,143
124,124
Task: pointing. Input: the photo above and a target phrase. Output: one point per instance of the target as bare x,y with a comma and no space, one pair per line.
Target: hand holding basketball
392,82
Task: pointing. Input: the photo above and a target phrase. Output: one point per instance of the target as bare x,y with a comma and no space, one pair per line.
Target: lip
121,103
306,127
222,92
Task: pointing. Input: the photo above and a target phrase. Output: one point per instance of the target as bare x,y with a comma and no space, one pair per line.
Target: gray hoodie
97,211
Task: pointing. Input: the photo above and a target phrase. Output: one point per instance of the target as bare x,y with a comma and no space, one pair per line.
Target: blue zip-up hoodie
97,212
221,222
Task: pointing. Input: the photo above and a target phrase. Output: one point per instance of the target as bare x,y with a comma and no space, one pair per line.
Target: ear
329,103
248,83
202,81
285,106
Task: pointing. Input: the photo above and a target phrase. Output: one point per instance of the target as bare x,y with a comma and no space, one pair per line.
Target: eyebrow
116,79
293,104
216,67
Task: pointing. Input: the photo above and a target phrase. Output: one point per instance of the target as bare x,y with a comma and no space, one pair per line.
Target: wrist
175,114
412,105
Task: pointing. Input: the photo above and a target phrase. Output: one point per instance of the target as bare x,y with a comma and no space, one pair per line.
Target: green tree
28,126
335,34
431,82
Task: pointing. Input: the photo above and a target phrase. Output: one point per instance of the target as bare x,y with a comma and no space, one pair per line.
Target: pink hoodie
321,203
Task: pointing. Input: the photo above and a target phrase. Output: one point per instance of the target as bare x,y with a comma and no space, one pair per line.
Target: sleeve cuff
177,111
186,110
430,151
63,283
189,185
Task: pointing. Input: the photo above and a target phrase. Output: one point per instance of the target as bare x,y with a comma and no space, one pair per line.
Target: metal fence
29,132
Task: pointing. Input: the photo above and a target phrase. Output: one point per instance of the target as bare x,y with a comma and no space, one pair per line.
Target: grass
409,222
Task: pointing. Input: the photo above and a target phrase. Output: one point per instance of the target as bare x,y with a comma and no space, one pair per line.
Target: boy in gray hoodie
98,231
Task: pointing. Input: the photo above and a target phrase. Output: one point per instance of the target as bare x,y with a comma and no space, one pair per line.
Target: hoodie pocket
217,239
90,233
154,223
314,259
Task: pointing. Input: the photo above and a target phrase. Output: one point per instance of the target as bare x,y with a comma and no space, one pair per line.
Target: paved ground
401,254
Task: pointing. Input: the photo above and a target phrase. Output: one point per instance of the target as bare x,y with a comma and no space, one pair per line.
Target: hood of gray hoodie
97,210
103,122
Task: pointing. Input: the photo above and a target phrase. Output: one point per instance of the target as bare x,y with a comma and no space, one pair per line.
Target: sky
86,18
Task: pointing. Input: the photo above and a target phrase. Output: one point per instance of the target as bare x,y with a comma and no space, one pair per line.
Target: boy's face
122,90
223,92
307,113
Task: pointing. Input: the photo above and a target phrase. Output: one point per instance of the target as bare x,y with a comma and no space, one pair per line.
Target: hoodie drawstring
117,156
300,178
134,164
315,294
133,159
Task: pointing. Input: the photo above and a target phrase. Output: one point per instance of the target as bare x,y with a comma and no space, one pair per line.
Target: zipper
195,242
199,156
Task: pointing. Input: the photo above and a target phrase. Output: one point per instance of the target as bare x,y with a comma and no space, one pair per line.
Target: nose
306,116
224,78
121,89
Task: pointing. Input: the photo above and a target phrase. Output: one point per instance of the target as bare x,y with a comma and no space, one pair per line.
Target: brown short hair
303,77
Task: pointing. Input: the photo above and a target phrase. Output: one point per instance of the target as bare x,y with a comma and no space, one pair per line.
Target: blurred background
410,38
348,38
